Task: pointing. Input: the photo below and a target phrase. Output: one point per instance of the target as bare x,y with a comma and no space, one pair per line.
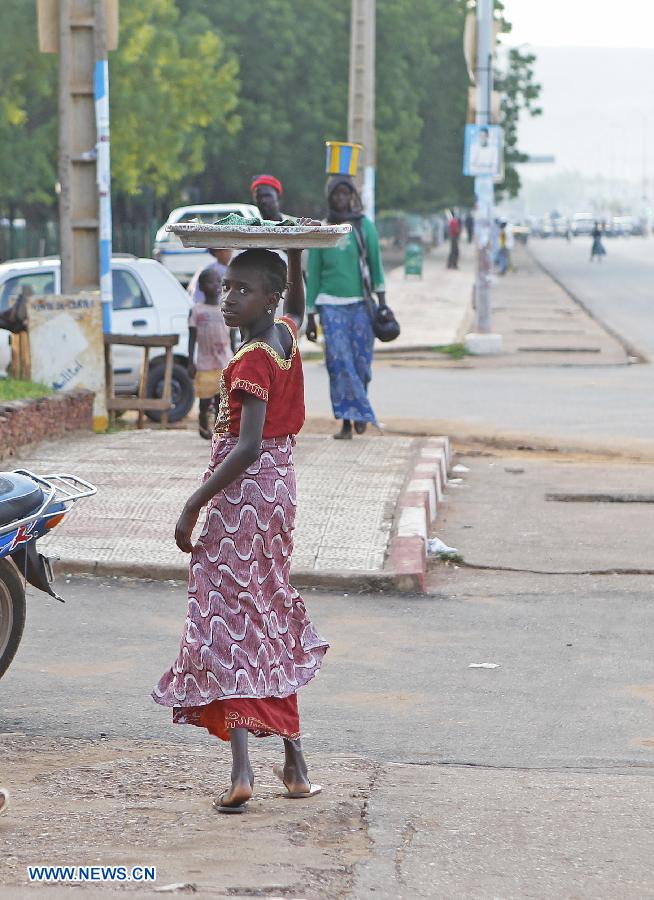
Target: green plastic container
413,257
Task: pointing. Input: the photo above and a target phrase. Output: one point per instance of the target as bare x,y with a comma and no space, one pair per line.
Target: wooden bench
140,401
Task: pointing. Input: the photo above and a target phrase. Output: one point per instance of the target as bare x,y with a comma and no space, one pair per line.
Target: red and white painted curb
417,509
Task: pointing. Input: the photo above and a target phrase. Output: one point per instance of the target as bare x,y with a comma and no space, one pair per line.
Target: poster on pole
483,151
67,346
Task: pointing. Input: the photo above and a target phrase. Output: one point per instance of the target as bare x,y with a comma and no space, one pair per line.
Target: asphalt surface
619,290
565,400
532,779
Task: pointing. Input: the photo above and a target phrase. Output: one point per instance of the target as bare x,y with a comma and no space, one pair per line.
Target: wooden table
140,401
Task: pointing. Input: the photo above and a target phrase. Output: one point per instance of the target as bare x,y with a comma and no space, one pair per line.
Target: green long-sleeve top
334,276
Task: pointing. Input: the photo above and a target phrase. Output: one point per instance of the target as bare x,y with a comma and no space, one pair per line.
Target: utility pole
483,341
81,32
484,79
361,107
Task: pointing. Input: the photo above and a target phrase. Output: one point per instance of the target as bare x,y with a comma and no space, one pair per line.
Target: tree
163,80
294,82
27,113
519,94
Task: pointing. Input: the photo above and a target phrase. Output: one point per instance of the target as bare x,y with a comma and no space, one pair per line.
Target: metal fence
22,241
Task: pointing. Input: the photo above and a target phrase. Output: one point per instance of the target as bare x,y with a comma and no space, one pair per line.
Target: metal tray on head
268,237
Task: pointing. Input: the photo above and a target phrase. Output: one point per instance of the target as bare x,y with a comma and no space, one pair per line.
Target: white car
147,300
184,262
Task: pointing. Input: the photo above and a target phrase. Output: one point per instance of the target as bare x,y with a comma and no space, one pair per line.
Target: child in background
208,331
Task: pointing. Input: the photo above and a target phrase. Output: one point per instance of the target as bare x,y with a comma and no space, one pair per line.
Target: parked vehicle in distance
146,300
582,223
622,226
183,262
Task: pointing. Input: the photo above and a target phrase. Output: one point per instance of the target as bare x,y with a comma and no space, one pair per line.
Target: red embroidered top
259,370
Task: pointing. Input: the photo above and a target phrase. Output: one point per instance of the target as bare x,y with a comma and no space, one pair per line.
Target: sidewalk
541,325
348,493
433,311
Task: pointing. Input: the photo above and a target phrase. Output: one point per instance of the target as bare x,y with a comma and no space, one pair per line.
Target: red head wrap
269,180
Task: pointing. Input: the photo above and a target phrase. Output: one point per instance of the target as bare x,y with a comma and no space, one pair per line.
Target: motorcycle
30,507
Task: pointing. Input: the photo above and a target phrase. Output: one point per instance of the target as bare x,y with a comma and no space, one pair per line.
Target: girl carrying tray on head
248,643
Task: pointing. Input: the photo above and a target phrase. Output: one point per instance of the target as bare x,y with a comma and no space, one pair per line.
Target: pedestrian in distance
337,280
248,643
597,249
266,192
505,244
470,225
208,333
454,233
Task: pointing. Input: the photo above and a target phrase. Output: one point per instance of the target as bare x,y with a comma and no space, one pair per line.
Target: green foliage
519,93
15,389
293,59
455,351
27,105
164,79
207,93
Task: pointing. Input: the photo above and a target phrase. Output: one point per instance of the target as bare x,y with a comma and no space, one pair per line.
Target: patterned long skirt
248,643
349,342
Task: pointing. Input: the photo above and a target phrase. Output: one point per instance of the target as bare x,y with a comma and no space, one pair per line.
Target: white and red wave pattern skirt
248,643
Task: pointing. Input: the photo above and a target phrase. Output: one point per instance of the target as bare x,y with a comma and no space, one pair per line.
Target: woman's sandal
360,427
4,801
205,433
232,808
296,795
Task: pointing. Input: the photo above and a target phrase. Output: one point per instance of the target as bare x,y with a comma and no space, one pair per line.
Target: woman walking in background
336,286
597,250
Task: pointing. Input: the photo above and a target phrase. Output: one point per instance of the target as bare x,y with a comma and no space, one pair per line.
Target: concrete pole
484,80
101,97
361,107
65,148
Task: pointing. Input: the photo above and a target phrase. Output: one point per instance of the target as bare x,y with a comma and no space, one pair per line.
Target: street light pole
484,79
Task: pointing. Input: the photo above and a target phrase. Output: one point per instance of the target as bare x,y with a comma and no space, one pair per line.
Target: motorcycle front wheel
12,612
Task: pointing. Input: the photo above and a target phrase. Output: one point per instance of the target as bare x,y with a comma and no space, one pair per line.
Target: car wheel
182,393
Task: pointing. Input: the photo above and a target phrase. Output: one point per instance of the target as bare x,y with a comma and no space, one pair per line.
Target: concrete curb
417,508
406,563
351,581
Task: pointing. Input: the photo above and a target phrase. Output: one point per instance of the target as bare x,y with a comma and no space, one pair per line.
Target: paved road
619,291
604,405
598,405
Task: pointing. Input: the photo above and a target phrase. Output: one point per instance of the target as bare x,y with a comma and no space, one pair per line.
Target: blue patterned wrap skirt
349,342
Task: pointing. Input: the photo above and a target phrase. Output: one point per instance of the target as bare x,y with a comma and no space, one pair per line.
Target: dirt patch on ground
128,803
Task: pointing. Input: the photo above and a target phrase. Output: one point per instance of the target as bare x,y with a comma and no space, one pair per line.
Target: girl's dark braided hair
270,266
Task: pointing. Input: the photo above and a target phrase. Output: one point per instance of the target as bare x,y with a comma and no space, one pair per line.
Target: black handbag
384,324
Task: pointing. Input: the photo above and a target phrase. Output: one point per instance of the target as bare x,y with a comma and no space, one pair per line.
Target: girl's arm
253,415
294,303
192,336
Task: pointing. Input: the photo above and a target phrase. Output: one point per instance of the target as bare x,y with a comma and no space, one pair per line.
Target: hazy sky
581,23
597,99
